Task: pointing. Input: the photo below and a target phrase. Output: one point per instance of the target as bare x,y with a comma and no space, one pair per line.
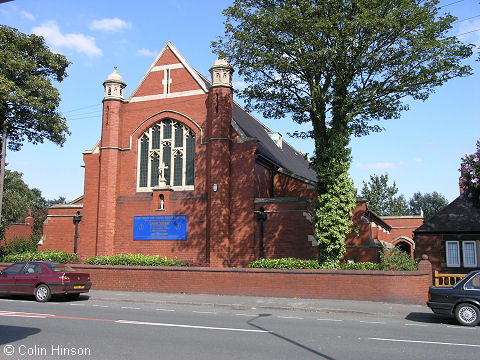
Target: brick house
451,238
181,170
375,233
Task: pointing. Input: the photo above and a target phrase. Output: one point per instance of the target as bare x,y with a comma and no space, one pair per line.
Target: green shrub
396,259
284,263
134,260
360,266
20,245
47,255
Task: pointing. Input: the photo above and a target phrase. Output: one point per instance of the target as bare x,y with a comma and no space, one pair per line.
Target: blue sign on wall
160,227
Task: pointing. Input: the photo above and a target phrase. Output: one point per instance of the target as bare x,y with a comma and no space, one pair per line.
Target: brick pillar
220,113
29,219
107,194
109,163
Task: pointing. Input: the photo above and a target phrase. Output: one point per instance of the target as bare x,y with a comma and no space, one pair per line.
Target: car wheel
467,314
73,296
42,293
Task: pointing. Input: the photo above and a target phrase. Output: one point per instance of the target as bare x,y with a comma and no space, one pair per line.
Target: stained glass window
143,161
167,157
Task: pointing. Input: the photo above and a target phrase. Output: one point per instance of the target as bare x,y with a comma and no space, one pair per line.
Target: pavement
264,303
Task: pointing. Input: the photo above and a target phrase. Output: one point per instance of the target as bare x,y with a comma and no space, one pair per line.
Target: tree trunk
2,174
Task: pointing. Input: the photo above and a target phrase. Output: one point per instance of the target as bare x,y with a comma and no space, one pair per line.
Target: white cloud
381,165
239,85
147,52
378,165
467,31
112,24
78,42
28,16
418,161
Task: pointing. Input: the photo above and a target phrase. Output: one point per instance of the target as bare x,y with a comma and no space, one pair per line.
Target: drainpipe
261,218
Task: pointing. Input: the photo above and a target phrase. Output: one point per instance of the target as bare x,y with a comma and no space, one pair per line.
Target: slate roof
287,158
456,217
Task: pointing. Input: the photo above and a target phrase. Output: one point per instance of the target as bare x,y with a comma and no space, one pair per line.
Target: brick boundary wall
409,287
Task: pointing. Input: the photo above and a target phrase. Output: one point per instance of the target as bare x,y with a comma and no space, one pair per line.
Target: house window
469,253
453,253
166,157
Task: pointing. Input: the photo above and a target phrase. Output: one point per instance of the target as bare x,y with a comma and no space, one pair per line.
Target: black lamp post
76,220
261,217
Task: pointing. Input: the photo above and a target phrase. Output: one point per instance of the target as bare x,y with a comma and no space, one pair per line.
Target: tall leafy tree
339,65
429,203
383,198
18,199
28,99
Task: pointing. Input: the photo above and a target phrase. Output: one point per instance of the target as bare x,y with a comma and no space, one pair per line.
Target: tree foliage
18,199
333,218
28,99
339,65
429,203
382,198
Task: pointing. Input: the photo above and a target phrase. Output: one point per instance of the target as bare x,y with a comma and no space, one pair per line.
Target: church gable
169,76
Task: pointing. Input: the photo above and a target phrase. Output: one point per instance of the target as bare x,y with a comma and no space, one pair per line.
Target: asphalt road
91,329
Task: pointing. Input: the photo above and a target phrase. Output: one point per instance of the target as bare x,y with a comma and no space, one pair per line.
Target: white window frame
183,150
475,264
447,257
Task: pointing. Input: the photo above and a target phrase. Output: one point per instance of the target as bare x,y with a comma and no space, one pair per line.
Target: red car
43,279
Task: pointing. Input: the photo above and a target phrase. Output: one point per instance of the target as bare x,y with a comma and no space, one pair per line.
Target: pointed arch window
166,157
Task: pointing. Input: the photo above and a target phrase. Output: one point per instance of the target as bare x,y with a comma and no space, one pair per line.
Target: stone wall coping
250,270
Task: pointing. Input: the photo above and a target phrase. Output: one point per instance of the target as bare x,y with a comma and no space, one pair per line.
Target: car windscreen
61,268
14,269
473,283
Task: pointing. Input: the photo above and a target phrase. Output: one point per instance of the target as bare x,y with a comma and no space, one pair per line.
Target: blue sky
421,151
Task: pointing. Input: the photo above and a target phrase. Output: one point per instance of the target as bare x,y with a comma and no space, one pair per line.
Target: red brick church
181,170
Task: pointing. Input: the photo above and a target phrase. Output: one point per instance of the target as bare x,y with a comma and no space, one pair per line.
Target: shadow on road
430,318
293,342
55,298
10,334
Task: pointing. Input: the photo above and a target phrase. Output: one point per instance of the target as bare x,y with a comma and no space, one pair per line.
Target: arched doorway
405,244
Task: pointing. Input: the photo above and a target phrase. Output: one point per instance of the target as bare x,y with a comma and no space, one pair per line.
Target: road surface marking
249,315
415,324
129,307
204,312
337,320
189,326
165,310
290,317
76,304
460,327
24,314
424,342
102,306
372,322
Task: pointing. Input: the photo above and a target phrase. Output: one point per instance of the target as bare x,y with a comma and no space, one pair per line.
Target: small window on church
109,90
161,202
167,157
